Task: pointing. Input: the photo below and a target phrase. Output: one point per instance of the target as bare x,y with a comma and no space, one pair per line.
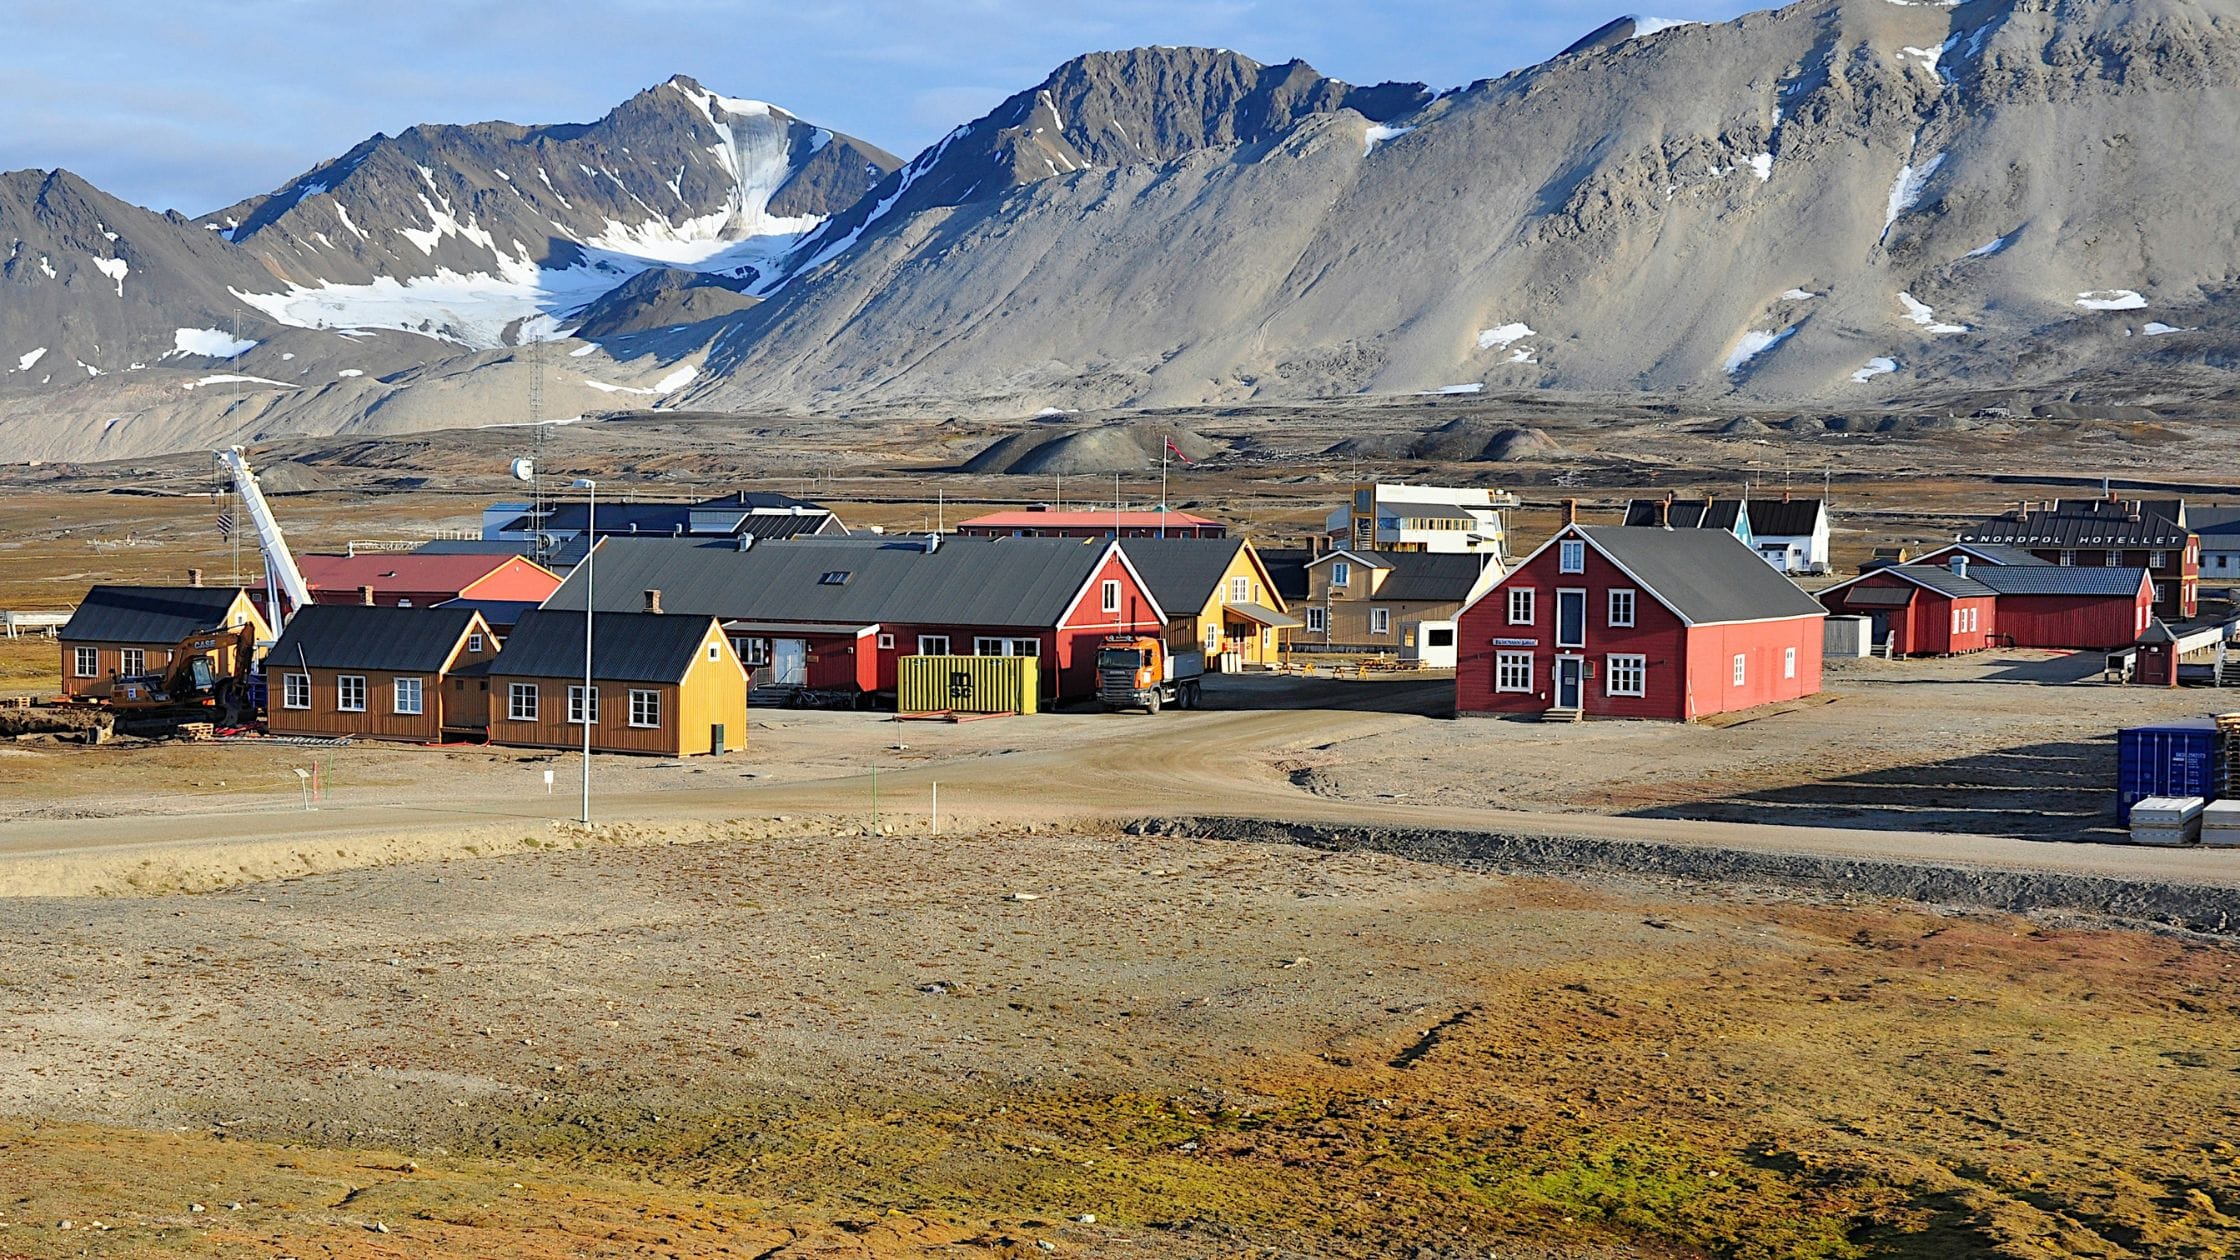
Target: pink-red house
1637,622
1974,598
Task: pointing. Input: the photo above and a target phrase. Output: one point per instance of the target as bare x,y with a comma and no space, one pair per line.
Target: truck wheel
1194,699
1151,706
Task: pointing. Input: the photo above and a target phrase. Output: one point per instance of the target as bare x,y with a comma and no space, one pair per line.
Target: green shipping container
968,684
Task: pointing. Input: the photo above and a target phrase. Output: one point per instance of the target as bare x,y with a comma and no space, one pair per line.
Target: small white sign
548,783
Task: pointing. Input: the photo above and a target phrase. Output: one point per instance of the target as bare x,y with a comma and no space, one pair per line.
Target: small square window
886,642
295,691
86,662
350,693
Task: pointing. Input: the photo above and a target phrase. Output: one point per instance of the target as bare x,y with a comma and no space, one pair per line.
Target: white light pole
590,490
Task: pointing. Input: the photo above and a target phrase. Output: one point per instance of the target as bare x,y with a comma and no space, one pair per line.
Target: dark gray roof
1990,553
1287,568
1875,596
1182,572
770,525
1784,518
1431,577
964,581
149,614
625,646
1721,514
1944,581
498,612
353,636
1369,559
2058,579
2218,519
2081,523
1706,575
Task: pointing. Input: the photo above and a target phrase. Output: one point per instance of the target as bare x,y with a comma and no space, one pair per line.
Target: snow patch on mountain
1874,367
1505,335
1925,315
1752,344
209,343
25,361
114,268
2111,300
1379,133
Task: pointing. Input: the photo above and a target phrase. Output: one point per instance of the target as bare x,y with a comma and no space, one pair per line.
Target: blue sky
191,105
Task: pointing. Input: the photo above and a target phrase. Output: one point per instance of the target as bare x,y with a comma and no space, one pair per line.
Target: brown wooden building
416,674
124,631
668,685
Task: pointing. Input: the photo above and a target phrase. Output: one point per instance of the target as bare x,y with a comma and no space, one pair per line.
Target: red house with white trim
1633,622
1982,597
838,613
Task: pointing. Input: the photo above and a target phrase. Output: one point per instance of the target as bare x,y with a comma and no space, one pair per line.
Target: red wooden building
2113,533
422,580
1610,621
1988,597
839,613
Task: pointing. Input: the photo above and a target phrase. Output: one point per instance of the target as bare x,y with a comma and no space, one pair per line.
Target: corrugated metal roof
1706,575
2057,579
625,646
1723,514
1431,577
2218,519
353,636
149,614
2077,523
964,581
498,612
1943,581
1990,553
1784,518
1287,568
1183,573
1877,596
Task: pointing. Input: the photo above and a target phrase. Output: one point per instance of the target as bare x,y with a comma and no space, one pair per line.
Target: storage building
661,683
126,631
418,674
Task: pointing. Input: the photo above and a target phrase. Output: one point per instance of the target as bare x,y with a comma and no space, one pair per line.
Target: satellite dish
524,470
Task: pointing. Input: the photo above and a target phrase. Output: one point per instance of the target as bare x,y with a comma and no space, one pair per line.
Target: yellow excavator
208,679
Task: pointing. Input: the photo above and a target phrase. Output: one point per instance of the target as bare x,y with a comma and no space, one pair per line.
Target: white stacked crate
2167,820
2220,824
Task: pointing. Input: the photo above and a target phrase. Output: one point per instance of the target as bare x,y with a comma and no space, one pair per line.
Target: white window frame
1240,590
344,685
645,709
132,661
1571,556
715,651
419,691
2115,558
1556,630
2158,559
85,662
2068,559
1741,668
926,642
295,691
1630,602
2161,592
1380,621
754,652
886,642
1213,638
1111,595
522,702
474,643
1512,673
578,709
994,646
1341,573
1625,674
1788,662
1318,620
1523,605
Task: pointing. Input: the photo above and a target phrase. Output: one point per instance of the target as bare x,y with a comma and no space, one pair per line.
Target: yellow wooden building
1218,596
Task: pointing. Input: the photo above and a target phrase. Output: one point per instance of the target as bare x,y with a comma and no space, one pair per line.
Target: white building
1792,534
1401,517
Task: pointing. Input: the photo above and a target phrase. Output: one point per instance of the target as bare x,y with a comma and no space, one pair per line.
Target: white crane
281,577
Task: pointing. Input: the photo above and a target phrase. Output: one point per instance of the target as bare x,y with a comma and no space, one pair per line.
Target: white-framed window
2068,557
407,693
521,702
1621,606
1741,668
583,705
1380,621
1520,605
886,642
132,661
1318,621
1571,556
756,652
1512,671
2161,593
1006,647
85,662
350,693
1625,674
715,651
645,708
474,643
295,691
933,645
1788,662
1240,590
1111,595
2157,559
1213,638
2115,558
1341,573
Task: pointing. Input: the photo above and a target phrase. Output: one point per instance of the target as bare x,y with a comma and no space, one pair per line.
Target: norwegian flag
1176,451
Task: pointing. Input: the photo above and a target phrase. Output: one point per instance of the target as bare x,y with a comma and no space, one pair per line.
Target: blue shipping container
2178,759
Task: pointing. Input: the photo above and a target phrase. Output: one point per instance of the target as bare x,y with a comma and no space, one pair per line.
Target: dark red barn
1979,598
1612,621
1921,609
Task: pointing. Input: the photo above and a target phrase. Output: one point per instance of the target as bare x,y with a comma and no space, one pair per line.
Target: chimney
933,543
1664,512
746,541
194,577
1784,496
365,596
1570,511
1959,564
653,600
